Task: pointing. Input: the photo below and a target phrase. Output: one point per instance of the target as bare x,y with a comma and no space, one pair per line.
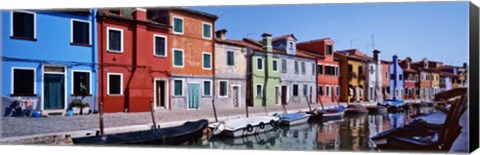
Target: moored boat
177,135
376,109
244,126
293,118
328,114
354,109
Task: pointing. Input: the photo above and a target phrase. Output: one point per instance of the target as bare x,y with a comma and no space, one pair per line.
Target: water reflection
350,134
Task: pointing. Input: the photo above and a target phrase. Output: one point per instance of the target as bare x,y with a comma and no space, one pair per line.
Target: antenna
250,34
351,42
373,41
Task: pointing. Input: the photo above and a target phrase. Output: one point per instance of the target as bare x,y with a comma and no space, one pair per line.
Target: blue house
396,80
49,58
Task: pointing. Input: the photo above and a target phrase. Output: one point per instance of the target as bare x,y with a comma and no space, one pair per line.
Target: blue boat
393,103
293,118
328,114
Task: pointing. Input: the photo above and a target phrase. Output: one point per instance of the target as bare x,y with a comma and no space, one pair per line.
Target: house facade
230,72
49,58
352,76
385,75
328,68
191,49
424,86
131,47
297,72
410,79
396,80
374,80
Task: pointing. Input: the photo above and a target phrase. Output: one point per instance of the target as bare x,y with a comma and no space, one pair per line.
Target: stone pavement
14,128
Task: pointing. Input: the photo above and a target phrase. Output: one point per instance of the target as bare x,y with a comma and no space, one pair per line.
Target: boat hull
291,122
247,126
245,132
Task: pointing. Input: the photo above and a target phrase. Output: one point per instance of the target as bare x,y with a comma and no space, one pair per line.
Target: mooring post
153,115
101,119
308,102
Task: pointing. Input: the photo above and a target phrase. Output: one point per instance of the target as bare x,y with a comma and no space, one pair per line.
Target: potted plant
76,106
85,108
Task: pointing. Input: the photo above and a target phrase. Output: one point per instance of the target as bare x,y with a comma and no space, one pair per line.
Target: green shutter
206,88
206,31
206,61
178,88
178,25
178,58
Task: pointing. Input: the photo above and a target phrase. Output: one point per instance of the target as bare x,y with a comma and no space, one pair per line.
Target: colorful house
410,79
374,80
191,49
263,69
130,48
230,72
352,76
396,80
385,75
424,85
49,58
328,68
297,72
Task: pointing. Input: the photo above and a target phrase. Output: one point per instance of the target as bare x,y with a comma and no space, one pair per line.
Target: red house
410,80
328,70
133,62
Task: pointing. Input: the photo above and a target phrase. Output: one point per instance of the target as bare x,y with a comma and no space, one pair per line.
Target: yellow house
352,75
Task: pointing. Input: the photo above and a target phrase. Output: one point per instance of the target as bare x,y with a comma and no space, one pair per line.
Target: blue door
54,91
193,96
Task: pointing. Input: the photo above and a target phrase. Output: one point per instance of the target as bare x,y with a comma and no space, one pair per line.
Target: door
278,98
160,94
193,96
284,95
54,91
236,96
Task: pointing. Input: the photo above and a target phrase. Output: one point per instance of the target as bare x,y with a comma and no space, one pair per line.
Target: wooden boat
422,136
177,135
354,109
328,114
244,126
293,118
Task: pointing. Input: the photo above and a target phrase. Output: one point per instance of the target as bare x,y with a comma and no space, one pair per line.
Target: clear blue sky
435,30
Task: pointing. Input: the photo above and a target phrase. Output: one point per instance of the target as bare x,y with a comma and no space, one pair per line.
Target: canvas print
370,77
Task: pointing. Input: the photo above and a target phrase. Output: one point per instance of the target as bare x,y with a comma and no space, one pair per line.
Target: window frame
303,67
320,90
203,30
233,58
203,60
337,91
12,86
327,90
331,49
108,83
261,61
294,93
34,24
313,68
210,93
155,45
220,88
261,90
284,68
275,65
73,82
305,90
183,58
121,40
296,68
89,31
183,25
173,93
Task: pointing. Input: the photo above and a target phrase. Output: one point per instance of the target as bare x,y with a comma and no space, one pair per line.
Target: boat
244,126
376,109
393,104
328,114
293,118
422,135
354,109
177,135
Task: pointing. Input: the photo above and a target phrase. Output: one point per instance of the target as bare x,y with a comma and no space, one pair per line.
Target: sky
434,30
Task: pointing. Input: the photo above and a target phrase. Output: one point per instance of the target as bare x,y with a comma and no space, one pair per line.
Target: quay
58,129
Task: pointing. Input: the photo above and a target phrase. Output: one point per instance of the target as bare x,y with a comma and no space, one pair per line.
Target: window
223,88
207,31
330,70
80,32
115,40
177,88
303,67
177,58
305,90
177,25
115,84
329,50
350,68
386,75
295,90
160,45
207,61
274,65
81,83
207,88
291,45
320,90
296,67
313,69
320,69
259,64
327,90
23,24
337,71
400,77
23,81
230,58
259,90
392,76
284,66
338,91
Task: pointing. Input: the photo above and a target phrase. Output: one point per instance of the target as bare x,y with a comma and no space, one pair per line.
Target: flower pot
76,110
85,110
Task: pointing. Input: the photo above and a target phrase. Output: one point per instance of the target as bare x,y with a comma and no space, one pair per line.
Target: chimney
395,59
376,55
221,34
267,42
140,14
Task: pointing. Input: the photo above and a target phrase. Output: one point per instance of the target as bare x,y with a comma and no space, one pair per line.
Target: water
352,133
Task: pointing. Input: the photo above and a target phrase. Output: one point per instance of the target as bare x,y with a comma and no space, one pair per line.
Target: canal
352,133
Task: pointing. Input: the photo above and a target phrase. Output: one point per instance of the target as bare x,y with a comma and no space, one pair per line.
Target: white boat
244,126
293,118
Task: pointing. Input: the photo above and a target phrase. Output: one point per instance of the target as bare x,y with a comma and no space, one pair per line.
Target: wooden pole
308,102
321,104
153,115
102,133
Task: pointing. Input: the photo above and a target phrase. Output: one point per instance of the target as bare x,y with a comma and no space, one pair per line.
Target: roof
284,37
355,54
448,74
108,13
230,42
201,13
409,70
313,41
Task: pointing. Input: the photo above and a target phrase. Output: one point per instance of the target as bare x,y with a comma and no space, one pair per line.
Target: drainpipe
94,56
213,74
101,65
395,76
